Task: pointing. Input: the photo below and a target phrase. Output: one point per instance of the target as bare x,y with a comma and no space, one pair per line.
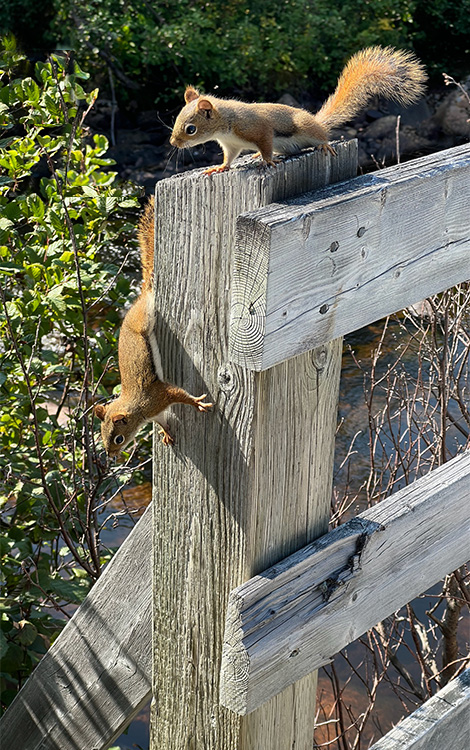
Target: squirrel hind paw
327,149
265,163
166,437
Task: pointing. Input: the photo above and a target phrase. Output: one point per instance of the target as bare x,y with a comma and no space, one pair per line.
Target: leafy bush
63,220
153,48
441,36
257,49
31,22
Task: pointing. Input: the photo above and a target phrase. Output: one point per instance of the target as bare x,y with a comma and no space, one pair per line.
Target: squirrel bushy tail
383,71
146,236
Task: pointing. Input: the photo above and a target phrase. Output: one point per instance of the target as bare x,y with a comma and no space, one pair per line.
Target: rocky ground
140,142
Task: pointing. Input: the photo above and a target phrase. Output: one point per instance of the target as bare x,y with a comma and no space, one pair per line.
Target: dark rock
453,114
380,128
412,115
289,100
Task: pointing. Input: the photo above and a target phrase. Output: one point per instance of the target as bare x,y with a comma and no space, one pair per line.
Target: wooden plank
96,676
314,268
442,722
295,616
247,483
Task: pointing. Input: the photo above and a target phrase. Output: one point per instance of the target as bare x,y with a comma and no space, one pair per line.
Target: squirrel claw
167,438
220,168
199,403
327,149
265,163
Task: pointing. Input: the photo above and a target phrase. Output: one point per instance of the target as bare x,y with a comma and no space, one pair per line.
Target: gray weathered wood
247,483
295,616
311,269
96,676
442,723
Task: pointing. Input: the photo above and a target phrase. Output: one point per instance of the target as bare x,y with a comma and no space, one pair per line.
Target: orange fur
144,394
146,236
278,129
382,71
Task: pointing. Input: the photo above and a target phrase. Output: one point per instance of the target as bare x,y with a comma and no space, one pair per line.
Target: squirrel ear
205,107
119,418
100,411
190,94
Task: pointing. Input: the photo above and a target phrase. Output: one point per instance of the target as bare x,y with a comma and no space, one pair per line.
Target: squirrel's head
198,121
118,426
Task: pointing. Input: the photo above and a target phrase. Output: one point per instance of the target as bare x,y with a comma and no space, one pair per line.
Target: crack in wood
348,571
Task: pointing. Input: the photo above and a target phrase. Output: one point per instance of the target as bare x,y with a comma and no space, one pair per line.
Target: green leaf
106,205
52,106
79,73
5,223
90,191
57,222
34,270
36,206
27,632
30,90
73,590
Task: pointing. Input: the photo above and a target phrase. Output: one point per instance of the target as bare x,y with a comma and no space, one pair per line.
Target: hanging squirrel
144,393
279,129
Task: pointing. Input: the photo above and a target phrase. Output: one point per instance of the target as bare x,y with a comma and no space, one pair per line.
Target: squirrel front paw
220,168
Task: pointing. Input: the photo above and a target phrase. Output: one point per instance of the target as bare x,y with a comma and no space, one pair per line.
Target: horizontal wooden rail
442,723
298,614
96,676
310,269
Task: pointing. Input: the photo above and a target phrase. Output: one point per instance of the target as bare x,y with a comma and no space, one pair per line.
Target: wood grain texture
247,483
442,722
97,674
311,269
295,616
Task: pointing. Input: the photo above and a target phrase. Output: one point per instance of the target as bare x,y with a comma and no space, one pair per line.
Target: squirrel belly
145,395
278,128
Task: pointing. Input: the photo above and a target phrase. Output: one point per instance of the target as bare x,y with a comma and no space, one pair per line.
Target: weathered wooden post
246,484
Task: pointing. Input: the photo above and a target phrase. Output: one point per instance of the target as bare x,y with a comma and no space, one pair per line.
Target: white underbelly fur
232,142
157,360
293,144
281,144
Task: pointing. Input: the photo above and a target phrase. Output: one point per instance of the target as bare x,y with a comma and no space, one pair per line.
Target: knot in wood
225,378
320,357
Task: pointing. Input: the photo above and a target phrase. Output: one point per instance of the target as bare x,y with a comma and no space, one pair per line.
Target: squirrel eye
119,439
190,129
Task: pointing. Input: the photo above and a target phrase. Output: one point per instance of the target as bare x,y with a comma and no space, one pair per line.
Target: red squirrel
144,393
279,129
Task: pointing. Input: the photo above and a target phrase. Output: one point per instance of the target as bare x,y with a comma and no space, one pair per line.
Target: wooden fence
258,277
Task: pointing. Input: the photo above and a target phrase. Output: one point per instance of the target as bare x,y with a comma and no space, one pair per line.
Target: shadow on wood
96,676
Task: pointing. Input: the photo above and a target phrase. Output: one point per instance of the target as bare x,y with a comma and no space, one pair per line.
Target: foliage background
255,49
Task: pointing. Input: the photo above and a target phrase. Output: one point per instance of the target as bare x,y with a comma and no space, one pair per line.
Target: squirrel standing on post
144,394
279,129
